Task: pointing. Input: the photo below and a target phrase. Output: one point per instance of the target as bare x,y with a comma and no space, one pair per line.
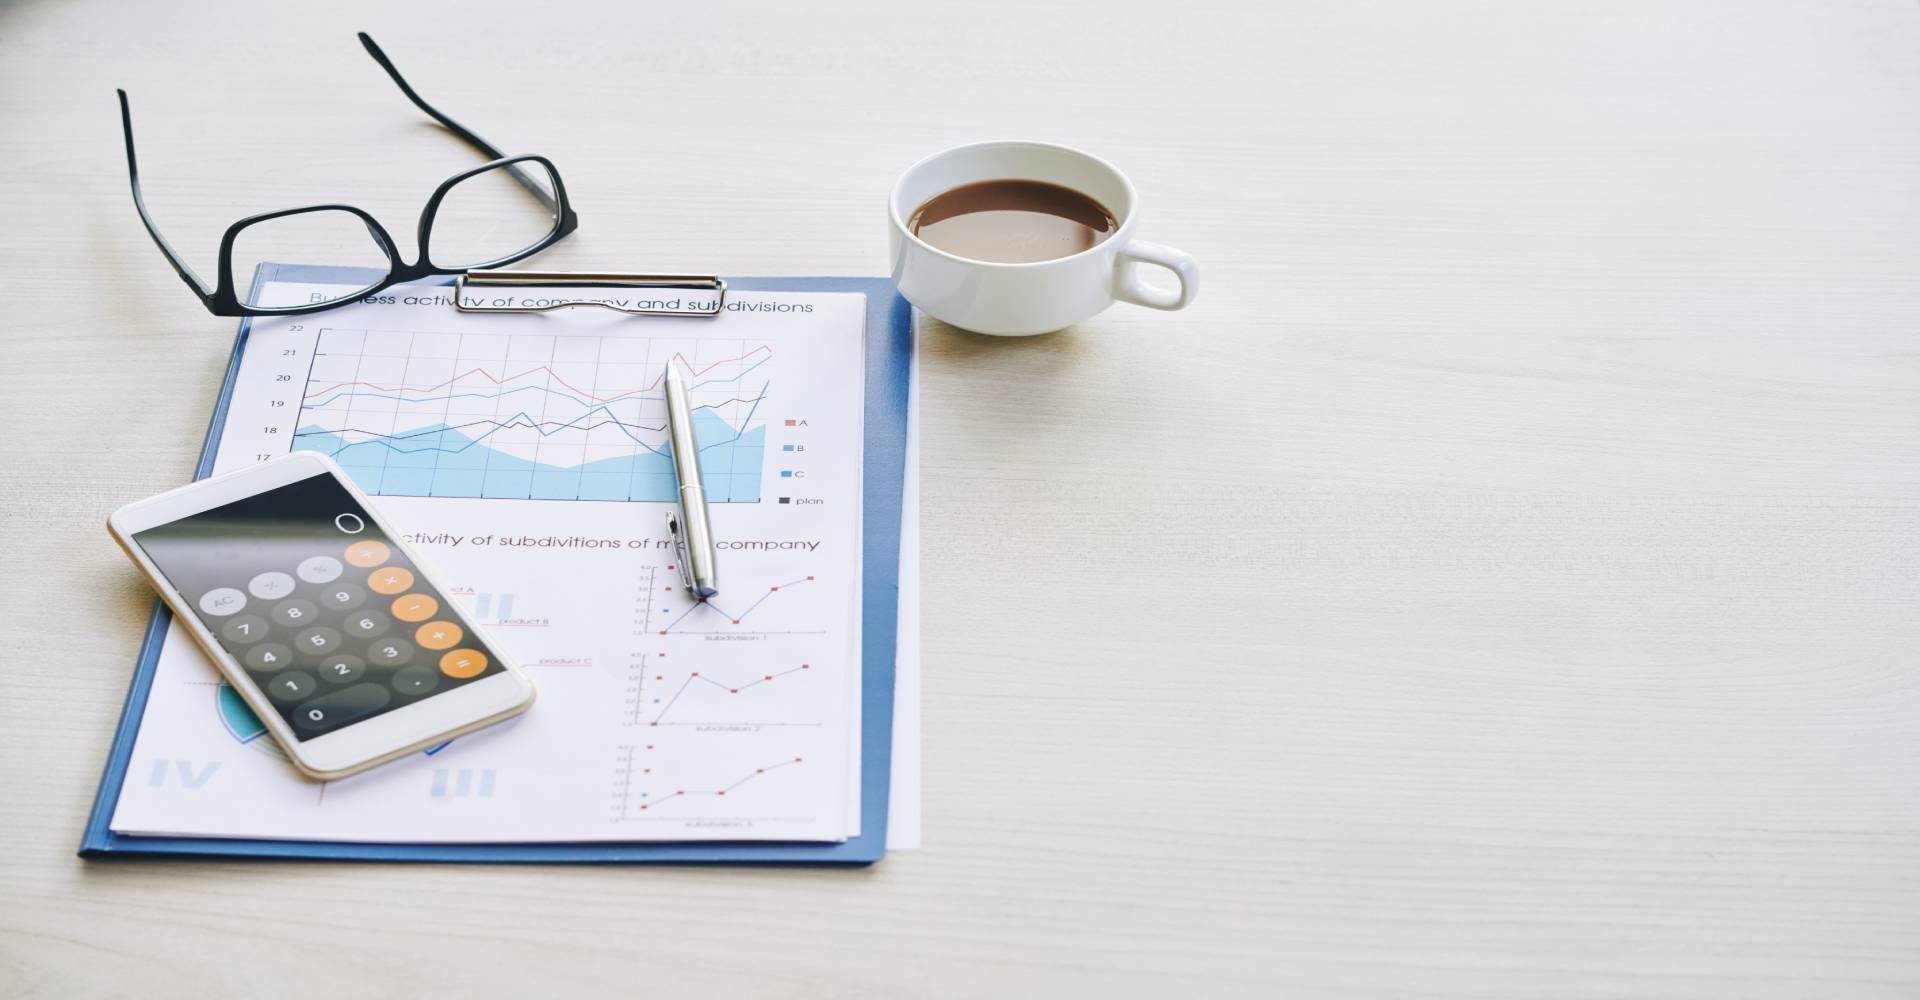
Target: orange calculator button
368,553
463,663
415,607
392,580
438,635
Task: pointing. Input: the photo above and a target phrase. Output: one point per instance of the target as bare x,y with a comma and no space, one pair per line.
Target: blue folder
889,345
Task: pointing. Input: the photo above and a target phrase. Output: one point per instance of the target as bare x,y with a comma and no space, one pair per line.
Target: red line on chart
742,616
729,688
682,792
542,368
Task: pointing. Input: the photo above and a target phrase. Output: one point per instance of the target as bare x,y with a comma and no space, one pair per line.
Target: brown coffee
1012,222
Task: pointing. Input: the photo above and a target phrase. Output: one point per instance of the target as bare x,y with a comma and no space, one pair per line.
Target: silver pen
692,535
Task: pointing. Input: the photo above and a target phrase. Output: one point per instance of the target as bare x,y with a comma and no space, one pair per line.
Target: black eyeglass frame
221,299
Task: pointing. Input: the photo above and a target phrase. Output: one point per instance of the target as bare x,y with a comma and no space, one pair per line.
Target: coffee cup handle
1129,287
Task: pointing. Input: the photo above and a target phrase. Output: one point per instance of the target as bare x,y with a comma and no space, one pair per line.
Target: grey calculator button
317,640
270,586
244,630
415,679
389,652
342,596
366,624
295,613
319,569
268,656
342,706
290,686
342,668
222,601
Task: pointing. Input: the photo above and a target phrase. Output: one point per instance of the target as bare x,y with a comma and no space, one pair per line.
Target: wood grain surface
1502,582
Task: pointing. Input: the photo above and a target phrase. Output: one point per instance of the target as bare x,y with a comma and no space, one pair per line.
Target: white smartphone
319,615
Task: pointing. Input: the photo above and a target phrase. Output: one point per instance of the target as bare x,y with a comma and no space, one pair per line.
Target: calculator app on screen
332,621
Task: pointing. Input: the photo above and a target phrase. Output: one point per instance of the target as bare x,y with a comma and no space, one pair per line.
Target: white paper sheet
657,719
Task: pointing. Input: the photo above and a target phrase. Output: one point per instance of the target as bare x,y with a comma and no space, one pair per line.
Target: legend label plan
793,461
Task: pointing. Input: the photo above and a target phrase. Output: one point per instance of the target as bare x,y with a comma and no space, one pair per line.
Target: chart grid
532,417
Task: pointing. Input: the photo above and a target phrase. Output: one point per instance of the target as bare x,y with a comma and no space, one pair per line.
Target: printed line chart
685,616
656,691
639,796
531,417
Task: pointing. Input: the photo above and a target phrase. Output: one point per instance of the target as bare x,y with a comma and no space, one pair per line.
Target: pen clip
680,554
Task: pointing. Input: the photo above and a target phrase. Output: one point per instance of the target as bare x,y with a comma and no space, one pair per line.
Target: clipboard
888,350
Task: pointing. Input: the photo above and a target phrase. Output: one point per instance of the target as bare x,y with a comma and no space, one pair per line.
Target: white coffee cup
1017,300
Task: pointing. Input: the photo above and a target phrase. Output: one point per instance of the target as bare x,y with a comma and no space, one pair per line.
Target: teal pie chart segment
240,721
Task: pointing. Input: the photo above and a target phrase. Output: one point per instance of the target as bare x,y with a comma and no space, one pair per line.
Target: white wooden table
1502,583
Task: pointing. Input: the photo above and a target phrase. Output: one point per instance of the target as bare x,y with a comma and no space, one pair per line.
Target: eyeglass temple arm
140,205
532,186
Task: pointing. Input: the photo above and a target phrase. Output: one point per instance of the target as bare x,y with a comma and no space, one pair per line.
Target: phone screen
326,614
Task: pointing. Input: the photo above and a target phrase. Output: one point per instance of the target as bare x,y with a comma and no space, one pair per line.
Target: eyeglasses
505,210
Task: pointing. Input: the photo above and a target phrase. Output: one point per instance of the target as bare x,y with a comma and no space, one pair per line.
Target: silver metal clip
636,305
